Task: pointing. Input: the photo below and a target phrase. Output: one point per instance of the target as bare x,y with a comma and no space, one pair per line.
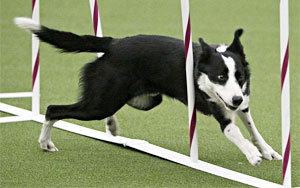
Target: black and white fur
138,70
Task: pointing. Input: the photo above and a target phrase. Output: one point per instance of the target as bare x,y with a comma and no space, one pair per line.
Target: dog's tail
66,41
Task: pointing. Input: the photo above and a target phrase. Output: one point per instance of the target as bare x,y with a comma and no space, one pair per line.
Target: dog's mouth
233,108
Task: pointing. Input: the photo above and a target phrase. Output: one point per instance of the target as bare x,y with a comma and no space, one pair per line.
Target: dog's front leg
233,133
266,150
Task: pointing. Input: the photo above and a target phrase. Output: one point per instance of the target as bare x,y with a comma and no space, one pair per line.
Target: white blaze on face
231,87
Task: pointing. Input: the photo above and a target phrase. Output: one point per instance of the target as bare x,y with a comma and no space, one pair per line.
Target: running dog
138,70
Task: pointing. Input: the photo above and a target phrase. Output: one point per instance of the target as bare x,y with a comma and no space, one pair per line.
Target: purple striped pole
285,92
35,61
96,20
187,35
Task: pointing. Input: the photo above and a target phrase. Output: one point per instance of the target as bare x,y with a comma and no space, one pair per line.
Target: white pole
187,36
35,62
96,20
285,92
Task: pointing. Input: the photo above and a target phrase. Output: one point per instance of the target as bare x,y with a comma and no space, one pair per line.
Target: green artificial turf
84,162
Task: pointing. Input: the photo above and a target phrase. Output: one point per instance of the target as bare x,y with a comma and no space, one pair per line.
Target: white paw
47,145
253,155
268,152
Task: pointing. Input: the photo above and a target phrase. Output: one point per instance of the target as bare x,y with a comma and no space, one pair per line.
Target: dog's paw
252,153
112,126
47,145
268,152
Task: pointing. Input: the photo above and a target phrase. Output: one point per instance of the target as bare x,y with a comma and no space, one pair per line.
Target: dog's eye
221,77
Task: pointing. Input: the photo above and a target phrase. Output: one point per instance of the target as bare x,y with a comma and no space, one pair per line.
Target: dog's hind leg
45,137
266,150
80,111
112,125
141,102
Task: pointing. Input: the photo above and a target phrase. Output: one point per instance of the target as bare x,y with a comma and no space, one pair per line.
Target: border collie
138,70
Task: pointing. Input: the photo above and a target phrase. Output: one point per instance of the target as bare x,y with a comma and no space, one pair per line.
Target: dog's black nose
237,100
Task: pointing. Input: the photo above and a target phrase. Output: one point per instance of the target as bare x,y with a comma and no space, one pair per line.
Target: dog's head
223,74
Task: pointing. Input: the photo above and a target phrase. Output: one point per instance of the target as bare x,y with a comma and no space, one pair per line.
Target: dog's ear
236,45
206,49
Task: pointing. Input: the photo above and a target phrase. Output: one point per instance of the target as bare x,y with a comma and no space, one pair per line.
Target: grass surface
84,162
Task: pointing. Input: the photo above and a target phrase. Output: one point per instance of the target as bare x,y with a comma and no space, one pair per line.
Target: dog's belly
145,101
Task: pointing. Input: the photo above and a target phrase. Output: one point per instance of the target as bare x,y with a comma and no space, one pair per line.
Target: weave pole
35,61
96,20
285,92
189,62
